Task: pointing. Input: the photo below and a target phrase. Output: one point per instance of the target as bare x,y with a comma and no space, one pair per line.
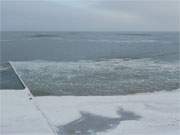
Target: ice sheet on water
105,77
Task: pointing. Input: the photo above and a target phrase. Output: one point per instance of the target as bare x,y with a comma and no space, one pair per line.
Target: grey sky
90,15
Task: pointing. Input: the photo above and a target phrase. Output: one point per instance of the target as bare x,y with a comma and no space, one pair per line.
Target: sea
93,63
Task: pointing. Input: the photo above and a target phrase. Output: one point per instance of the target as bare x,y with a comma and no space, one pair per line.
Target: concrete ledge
20,116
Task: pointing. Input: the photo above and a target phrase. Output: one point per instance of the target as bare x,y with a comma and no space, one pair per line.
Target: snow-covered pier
19,114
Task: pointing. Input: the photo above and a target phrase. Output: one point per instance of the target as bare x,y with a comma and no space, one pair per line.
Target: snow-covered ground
19,115
155,113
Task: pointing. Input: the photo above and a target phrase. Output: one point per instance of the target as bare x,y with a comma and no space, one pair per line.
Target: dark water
94,63
8,78
74,46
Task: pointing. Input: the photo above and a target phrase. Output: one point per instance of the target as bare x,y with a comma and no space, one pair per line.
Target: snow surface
19,116
155,113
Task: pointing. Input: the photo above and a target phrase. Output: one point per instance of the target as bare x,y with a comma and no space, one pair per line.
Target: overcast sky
90,15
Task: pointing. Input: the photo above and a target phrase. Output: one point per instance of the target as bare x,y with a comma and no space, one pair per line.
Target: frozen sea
99,83
94,63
